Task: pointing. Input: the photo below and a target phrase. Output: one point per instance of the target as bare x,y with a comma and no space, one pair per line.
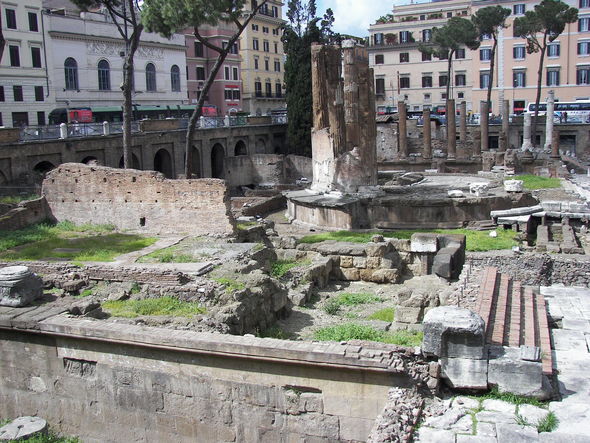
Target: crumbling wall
141,200
25,214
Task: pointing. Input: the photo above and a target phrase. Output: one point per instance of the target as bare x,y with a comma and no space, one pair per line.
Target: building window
552,77
236,94
255,44
449,14
519,9
422,16
427,81
235,73
227,94
378,39
460,53
584,24
104,76
265,29
255,28
2,93
33,25
10,18
379,59
20,119
426,57
256,63
266,67
36,57
41,118
198,49
227,73
405,37
484,80
71,74
234,48
200,73
277,66
39,96
17,92
583,76
460,95
258,89
460,80
485,54
268,87
519,52
175,78
404,82
553,50
427,97
584,48
426,35
404,57
150,77
443,80
584,4
276,48
443,96
275,11
279,90
486,36
266,46
519,79
14,55
380,86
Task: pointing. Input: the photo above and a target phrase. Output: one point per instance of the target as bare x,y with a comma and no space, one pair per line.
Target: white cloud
355,16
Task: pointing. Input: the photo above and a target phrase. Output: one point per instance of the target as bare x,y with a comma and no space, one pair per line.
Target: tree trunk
449,66
492,67
538,98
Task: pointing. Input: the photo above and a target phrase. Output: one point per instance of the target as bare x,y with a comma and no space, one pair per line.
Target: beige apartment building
263,58
403,73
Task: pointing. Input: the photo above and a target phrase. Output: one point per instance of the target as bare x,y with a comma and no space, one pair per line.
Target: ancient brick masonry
139,200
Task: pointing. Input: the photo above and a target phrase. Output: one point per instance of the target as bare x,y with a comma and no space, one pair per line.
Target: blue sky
355,16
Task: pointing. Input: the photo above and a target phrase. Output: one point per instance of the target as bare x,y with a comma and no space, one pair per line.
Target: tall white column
549,119
526,133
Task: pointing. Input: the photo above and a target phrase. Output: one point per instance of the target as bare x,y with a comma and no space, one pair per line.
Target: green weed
135,288
231,284
167,255
385,314
548,424
353,331
332,306
509,397
152,306
15,199
280,267
85,293
274,332
246,225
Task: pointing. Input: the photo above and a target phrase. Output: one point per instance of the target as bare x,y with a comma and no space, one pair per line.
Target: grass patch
509,397
15,199
246,225
333,304
548,424
85,293
74,242
475,240
532,182
274,332
280,267
152,306
231,284
385,314
167,255
353,331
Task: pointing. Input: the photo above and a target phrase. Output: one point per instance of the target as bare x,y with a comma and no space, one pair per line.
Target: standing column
505,125
463,121
526,133
451,129
484,117
427,134
549,119
555,144
402,128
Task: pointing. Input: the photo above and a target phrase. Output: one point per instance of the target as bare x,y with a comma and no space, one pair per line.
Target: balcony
268,95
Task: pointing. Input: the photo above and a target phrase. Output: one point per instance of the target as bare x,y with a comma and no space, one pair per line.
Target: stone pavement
470,420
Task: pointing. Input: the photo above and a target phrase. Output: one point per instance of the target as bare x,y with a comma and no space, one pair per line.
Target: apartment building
226,91
403,73
25,94
263,59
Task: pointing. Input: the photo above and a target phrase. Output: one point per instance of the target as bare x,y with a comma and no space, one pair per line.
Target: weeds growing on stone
152,306
246,225
333,304
280,267
548,423
353,331
274,332
85,293
231,284
509,397
385,314
15,199
167,255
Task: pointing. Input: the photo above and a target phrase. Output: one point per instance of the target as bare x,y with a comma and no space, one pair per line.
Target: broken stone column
549,119
427,128
19,286
555,144
402,129
503,142
484,117
343,135
457,337
527,145
463,121
451,129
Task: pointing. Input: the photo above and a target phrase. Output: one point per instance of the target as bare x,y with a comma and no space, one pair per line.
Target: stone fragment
386,276
478,189
23,427
426,434
450,331
19,286
499,406
510,373
465,373
516,433
377,238
532,414
530,353
466,402
447,420
495,417
513,185
424,242
455,193
462,438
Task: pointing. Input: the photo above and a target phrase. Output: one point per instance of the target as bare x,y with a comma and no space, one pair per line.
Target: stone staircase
514,315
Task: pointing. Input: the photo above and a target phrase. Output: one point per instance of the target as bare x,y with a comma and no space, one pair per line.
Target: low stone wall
109,382
141,200
25,214
537,269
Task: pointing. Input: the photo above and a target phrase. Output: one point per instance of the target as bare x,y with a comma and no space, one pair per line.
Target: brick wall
139,200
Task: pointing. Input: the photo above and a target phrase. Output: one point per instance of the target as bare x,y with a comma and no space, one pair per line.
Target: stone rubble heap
19,286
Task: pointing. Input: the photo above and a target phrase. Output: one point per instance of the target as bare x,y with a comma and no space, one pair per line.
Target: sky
354,16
